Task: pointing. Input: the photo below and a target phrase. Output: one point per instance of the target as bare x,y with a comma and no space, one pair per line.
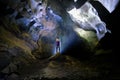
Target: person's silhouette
57,45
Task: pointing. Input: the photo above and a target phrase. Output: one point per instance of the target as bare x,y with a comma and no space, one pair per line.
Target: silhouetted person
57,45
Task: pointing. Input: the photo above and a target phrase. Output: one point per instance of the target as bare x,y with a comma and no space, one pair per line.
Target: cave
58,39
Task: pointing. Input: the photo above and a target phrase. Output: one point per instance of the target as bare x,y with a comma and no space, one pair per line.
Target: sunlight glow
110,5
75,0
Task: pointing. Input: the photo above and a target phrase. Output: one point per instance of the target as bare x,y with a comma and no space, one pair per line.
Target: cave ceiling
64,18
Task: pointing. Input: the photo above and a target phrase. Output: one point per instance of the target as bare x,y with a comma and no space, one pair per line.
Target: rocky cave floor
64,67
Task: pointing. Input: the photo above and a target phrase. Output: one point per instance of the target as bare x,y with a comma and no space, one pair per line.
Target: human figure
57,45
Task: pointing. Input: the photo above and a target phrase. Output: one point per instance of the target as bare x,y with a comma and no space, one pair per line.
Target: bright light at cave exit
75,0
110,5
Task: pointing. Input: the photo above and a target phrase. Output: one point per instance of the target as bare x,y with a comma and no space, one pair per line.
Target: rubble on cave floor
64,67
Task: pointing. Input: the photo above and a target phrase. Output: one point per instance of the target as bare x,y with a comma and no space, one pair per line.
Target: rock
10,68
4,60
13,76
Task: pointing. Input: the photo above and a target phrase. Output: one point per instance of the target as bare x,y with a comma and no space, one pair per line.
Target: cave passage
58,39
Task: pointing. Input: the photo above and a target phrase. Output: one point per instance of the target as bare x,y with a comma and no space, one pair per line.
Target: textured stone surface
27,40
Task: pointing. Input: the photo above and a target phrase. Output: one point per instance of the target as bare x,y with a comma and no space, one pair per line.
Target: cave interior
28,32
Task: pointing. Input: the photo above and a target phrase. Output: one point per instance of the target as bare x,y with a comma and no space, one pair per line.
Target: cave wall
28,31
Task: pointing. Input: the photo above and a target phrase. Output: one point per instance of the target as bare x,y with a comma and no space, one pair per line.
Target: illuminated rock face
44,20
88,19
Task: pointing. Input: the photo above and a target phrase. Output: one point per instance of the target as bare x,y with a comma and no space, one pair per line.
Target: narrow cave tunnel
58,39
